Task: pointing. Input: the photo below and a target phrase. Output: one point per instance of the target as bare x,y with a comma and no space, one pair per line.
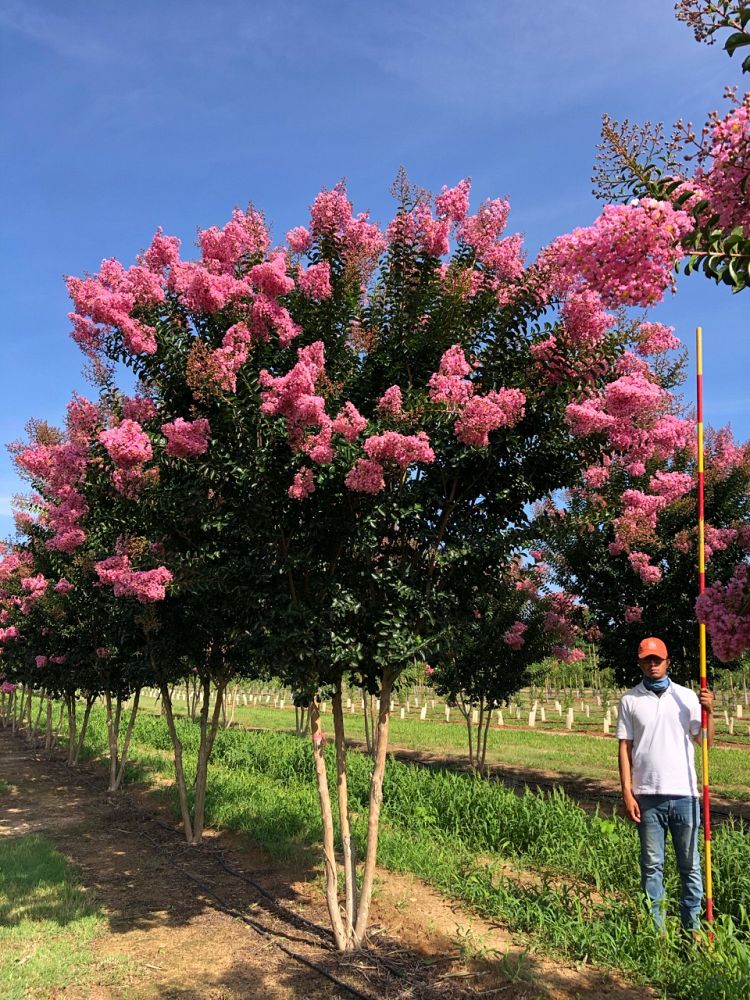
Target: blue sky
118,118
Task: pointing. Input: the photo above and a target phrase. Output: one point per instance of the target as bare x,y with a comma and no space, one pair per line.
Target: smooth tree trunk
90,699
126,741
208,735
70,702
376,802
342,938
48,735
347,844
187,824
113,734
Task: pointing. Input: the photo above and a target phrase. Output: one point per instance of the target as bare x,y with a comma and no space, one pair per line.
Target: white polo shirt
661,729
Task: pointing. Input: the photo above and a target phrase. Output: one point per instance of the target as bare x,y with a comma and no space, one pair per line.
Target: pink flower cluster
64,518
186,438
725,182
633,613
391,403
585,318
8,633
402,449
671,485
514,636
631,412
483,414
361,242
224,363
299,239
128,444
641,563
243,238
315,282
655,338
453,203
108,299
303,484
449,384
477,415
725,611
140,409
82,419
365,476
627,255
147,586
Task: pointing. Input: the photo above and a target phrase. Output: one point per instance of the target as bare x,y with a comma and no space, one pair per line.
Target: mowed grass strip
47,921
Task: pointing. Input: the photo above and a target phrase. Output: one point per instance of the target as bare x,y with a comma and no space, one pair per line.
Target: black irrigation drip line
231,911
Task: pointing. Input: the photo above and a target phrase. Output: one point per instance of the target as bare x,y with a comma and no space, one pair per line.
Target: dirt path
164,906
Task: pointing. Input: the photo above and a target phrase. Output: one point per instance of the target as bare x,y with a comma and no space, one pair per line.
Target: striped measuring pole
702,629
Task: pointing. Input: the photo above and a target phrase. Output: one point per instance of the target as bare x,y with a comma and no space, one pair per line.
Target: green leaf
735,41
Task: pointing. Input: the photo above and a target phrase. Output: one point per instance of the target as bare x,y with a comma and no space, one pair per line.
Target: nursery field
561,881
584,760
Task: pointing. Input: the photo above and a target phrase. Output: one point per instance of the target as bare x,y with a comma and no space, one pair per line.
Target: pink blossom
349,422
514,636
671,485
270,277
11,632
315,282
35,586
403,449
655,338
41,661
330,212
449,383
587,417
391,402
244,237
483,414
127,444
303,484
102,652
299,239
202,291
266,315
585,319
365,476
453,203
482,231
59,659
82,419
186,438
140,409
147,586
596,476
163,252
718,539
724,182
633,613
725,611
641,563
222,365
627,255
63,586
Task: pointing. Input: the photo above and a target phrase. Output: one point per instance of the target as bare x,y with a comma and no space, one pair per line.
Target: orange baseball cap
652,647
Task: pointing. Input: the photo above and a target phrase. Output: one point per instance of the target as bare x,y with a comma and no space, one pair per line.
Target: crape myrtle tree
706,173
627,541
505,620
343,422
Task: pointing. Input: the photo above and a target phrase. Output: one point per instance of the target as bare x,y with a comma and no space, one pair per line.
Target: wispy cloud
53,31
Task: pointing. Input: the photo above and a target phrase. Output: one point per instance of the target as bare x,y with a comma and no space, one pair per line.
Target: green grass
47,921
567,754
577,893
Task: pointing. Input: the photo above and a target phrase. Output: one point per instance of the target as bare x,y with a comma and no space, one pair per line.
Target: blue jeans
682,817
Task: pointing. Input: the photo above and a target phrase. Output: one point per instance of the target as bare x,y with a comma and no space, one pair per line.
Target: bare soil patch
166,908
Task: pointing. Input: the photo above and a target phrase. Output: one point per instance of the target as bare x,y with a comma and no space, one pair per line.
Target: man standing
656,727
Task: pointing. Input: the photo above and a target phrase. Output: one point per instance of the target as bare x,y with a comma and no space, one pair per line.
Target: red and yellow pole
702,631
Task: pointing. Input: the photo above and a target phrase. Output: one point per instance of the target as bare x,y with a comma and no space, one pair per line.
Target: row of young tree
361,450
